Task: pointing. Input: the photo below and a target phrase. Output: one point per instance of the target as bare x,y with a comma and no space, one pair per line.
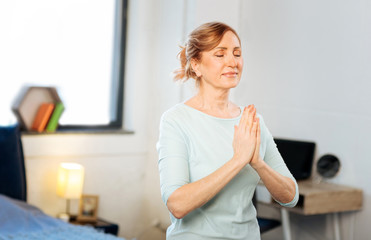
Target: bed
20,220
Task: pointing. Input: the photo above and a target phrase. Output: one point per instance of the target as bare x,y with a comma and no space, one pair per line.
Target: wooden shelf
28,102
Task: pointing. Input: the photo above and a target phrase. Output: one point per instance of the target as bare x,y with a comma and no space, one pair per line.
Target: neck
213,99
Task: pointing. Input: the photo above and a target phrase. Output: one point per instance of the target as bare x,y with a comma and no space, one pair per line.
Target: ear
196,67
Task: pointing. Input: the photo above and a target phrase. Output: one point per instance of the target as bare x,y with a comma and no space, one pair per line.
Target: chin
233,83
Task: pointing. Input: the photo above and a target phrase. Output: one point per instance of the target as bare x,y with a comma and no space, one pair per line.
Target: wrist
237,159
260,164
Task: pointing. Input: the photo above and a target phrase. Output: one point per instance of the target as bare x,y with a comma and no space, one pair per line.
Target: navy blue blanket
19,220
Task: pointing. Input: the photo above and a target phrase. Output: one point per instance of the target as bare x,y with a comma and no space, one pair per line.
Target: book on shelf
43,114
54,119
28,101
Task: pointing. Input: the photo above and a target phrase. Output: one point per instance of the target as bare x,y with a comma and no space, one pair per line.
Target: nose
231,60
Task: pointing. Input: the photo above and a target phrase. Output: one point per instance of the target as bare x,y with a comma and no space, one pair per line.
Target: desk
322,198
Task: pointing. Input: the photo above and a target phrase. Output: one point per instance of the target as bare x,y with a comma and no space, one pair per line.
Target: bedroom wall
305,70
114,163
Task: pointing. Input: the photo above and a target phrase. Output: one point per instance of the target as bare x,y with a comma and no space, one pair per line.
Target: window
78,46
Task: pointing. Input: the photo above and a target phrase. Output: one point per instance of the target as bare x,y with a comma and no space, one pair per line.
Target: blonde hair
204,38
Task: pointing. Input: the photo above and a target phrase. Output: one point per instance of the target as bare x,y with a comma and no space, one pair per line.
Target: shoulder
175,121
261,119
174,113
179,115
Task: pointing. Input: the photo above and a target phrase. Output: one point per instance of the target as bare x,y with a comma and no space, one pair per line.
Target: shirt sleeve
274,159
173,158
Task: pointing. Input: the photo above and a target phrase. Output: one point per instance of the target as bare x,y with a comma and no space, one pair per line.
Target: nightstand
100,225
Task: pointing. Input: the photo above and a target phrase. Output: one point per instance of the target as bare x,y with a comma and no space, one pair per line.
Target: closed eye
237,53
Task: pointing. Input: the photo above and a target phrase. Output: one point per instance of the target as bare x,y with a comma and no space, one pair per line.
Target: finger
243,120
250,119
258,132
254,127
237,131
257,148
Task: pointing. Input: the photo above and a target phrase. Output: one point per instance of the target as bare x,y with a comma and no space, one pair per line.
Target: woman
212,153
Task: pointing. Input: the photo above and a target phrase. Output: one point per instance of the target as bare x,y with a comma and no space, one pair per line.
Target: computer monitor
298,156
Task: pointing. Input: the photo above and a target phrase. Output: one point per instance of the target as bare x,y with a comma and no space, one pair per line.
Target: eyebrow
224,48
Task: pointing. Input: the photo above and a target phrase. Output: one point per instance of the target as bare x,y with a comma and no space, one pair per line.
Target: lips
230,74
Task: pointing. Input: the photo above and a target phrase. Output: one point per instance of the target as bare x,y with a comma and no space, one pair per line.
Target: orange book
42,116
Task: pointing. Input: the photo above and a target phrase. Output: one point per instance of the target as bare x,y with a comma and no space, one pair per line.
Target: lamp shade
70,180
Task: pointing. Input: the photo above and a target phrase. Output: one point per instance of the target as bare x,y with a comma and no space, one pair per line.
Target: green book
54,119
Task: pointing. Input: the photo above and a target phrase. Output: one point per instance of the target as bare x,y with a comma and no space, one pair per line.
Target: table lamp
69,184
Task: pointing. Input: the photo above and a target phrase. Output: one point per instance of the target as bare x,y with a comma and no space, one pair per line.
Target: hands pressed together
246,146
246,140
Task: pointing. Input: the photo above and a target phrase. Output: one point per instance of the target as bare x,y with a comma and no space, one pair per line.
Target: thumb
235,130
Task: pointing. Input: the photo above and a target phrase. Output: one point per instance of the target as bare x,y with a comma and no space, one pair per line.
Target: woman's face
222,66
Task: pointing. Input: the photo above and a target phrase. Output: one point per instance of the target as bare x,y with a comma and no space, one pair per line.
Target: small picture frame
88,208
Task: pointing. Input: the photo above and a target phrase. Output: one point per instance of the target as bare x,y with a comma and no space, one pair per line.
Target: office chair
265,224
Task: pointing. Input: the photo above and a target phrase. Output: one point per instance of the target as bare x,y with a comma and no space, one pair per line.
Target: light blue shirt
191,146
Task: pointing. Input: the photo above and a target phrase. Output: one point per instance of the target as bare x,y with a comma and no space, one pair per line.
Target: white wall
164,94
114,163
305,70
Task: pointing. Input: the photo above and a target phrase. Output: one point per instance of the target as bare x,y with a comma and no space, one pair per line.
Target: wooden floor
152,234
274,234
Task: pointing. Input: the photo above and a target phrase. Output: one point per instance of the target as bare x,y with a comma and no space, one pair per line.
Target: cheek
241,60
213,67
240,64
